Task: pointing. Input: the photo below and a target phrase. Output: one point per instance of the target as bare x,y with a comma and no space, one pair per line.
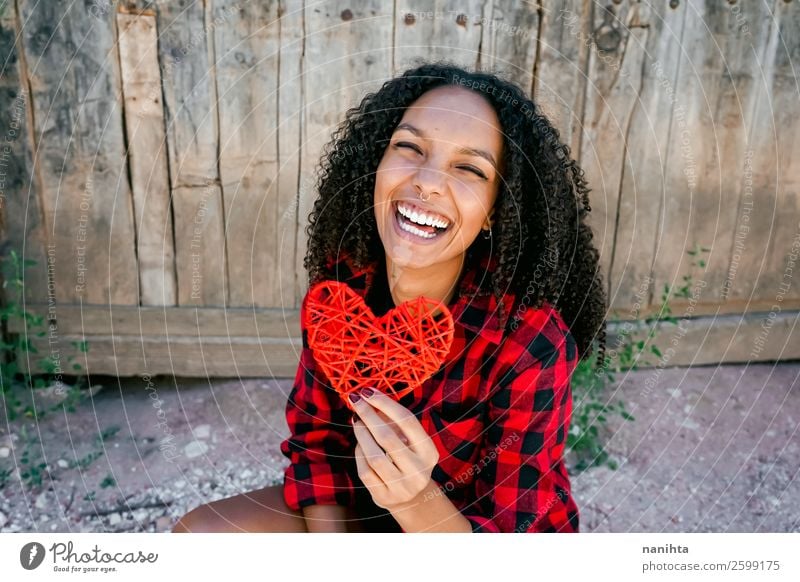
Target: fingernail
366,392
354,397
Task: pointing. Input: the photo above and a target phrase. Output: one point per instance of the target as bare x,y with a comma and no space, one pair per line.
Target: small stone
195,449
4,452
164,523
202,432
53,527
41,500
141,515
114,519
180,484
63,463
44,517
690,424
246,474
3,519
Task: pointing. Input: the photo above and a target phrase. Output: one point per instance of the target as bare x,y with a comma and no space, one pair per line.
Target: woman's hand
394,454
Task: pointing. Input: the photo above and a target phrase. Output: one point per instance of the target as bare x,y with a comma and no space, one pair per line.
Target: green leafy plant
590,383
19,386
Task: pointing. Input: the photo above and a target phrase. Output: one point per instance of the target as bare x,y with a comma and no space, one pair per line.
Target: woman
450,184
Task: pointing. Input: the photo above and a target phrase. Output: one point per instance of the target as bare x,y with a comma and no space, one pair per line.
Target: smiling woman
435,189
462,193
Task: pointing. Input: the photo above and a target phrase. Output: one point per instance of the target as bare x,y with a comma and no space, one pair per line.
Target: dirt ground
712,449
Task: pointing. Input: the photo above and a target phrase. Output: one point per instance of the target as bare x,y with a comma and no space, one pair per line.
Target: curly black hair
544,245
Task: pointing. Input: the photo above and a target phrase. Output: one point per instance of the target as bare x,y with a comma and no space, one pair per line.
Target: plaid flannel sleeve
523,486
321,440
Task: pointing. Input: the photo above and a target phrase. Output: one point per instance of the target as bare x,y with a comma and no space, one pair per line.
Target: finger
388,421
370,479
375,456
382,428
401,417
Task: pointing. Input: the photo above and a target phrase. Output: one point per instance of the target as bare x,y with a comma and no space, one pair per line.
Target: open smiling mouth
421,225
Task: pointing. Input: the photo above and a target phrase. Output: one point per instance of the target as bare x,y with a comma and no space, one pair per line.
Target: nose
428,180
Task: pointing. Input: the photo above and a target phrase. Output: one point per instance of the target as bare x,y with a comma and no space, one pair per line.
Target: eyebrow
463,150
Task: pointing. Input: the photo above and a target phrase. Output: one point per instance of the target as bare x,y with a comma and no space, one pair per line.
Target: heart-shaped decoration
394,353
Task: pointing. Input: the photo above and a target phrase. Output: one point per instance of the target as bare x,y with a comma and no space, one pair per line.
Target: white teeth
421,217
416,231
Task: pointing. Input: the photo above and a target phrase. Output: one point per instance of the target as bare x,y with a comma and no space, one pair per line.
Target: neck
437,282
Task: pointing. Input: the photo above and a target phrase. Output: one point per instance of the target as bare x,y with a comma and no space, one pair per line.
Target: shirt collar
475,307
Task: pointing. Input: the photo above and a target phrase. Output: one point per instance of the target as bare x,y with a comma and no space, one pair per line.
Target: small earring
487,234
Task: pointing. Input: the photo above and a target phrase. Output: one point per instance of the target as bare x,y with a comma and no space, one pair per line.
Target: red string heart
394,353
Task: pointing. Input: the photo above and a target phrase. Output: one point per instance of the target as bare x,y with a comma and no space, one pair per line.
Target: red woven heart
394,353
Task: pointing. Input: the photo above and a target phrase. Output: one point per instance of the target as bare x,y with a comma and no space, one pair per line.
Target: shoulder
539,337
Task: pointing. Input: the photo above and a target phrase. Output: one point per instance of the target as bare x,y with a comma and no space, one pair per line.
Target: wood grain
615,67
147,158
190,99
21,218
73,71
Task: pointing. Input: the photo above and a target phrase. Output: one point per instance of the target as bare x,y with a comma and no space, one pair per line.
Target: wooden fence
158,159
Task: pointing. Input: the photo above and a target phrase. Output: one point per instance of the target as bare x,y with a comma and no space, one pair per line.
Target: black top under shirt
379,296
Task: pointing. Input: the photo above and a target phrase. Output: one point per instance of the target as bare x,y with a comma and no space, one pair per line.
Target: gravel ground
712,449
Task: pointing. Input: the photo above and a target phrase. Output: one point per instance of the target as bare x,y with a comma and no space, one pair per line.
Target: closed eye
405,144
408,145
474,170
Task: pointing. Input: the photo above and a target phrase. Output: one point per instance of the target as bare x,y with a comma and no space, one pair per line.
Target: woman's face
446,149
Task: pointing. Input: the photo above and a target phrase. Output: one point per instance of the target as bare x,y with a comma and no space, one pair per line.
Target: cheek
473,209
386,179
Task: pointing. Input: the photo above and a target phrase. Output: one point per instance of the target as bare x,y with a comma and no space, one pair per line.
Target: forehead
456,112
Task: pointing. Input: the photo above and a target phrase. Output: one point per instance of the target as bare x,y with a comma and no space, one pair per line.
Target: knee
199,520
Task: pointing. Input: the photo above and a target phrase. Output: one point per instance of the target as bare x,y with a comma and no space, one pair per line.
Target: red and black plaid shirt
498,411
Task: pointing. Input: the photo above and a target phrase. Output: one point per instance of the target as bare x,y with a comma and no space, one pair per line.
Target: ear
489,218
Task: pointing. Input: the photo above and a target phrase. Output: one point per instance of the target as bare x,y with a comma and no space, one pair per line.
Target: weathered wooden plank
442,29
642,190
247,45
728,339
21,218
615,76
561,66
715,90
247,322
733,94
764,270
163,322
190,95
290,104
147,154
346,56
76,96
189,92
199,245
698,306
203,357
509,33
696,341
